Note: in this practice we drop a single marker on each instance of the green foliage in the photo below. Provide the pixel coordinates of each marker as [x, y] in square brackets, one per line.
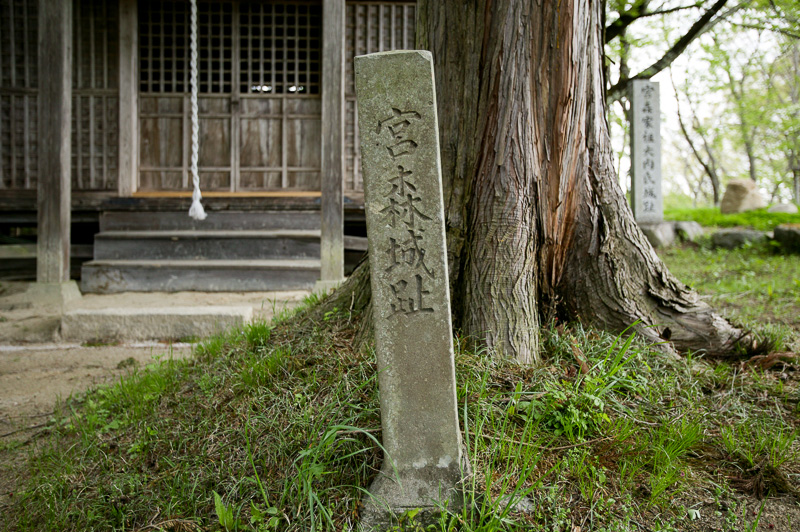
[577, 408]
[257, 335]
[755, 286]
[759, 440]
[737, 86]
[277, 429]
[758, 219]
[263, 366]
[574, 413]
[670, 444]
[225, 514]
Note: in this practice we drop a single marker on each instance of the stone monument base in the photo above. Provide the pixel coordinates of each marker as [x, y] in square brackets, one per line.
[425, 492]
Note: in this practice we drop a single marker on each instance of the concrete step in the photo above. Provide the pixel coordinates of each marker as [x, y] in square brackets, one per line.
[217, 220]
[165, 323]
[110, 276]
[207, 244]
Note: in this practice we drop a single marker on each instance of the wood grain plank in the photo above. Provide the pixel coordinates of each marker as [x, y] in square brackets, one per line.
[224, 194]
[128, 166]
[332, 157]
[55, 110]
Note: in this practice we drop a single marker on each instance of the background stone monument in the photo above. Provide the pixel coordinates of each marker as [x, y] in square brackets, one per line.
[647, 197]
[410, 292]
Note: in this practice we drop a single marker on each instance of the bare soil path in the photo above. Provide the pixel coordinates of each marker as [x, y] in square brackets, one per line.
[37, 370]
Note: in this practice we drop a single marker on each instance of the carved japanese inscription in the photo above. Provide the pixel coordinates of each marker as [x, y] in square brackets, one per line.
[646, 151]
[411, 300]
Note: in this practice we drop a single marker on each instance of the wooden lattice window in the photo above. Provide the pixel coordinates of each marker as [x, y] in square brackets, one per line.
[261, 132]
[95, 95]
[370, 27]
[280, 50]
[18, 94]
[163, 46]
[95, 100]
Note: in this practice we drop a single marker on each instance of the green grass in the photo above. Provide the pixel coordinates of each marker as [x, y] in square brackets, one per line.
[755, 286]
[276, 427]
[711, 217]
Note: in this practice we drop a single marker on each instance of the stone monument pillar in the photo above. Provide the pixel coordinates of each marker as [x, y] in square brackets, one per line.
[399, 137]
[647, 198]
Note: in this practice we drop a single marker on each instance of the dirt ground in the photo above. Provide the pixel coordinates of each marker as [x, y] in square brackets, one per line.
[37, 370]
[34, 377]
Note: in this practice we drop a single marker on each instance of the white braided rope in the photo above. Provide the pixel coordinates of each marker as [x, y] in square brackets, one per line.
[196, 211]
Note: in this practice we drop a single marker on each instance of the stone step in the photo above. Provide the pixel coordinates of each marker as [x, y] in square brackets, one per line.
[207, 244]
[110, 276]
[217, 220]
[163, 323]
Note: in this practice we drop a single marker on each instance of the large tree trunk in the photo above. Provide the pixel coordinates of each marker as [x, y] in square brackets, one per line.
[536, 221]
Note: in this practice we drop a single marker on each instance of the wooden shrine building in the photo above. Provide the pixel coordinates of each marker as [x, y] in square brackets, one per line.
[95, 122]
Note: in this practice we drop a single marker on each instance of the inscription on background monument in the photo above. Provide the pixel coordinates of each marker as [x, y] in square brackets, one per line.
[648, 205]
[411, 299]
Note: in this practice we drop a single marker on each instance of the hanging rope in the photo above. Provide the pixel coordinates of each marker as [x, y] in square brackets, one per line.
[196, 211]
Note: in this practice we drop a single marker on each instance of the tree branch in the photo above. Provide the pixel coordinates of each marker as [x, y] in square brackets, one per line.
[702, 25]
[709, 169]
[616, 28]
[781, 31]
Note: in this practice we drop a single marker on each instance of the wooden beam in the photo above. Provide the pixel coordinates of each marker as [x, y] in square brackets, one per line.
[332, 175]
[128, 98]
[55, 113]
[259, 194]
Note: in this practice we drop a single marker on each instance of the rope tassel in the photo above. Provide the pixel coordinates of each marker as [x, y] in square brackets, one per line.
[196, 211]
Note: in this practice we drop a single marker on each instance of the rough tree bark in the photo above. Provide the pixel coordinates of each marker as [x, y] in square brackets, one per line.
[536, 220]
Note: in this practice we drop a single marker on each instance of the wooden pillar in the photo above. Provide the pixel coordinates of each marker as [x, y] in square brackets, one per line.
[128, 98]
[333, 16]
[55, 112]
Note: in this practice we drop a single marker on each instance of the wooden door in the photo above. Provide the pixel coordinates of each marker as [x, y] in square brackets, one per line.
[259, 96]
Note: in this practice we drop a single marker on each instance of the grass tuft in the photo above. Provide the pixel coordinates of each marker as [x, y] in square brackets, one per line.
[275, 427]
[758, 219]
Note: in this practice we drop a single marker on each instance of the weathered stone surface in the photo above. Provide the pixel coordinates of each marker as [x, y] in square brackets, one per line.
[54, 295]
[689, 230]
[786, 208]
[660, 234]
[741, 195]
[168, 323]
[647, 198]
[788, 235]
[736, 238]
[410, 291]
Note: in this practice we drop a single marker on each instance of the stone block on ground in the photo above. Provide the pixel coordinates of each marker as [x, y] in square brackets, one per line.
[660, 234]
[741, 195]
[736, 238]
[689, 231]
[136, 324]
[788, 236]
[786, 208]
